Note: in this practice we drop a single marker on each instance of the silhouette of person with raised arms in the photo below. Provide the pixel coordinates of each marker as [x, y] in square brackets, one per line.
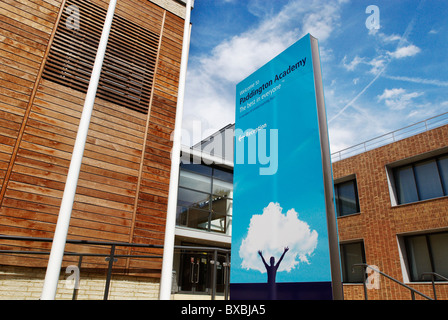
[272, 272]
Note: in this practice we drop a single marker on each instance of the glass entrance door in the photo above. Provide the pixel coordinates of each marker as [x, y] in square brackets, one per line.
[196, 272]
[195, 275]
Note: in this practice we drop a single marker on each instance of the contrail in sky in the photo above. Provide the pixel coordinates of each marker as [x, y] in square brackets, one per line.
[400, 43]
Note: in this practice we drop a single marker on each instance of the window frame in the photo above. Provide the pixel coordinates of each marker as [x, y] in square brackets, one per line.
[221, 175]
[337, 182]
[392, 173]
[405, 239]
[344, 269]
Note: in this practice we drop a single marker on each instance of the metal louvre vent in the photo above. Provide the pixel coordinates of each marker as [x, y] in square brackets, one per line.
[128, 68]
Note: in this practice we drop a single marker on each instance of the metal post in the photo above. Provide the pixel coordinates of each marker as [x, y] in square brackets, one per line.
[215, 267]
[333, 241]
[433, 286]
[65, 211]
[364, 279]
[226, 277]
[433, 278]
[170, 225]
[111, 260]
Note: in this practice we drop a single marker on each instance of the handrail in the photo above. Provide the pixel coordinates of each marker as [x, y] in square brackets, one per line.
[365, 266]
[393, 136]
[111, 257]
[433, 275]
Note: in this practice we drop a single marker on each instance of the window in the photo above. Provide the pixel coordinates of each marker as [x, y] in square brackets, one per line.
[346, 194]
[205, 198]
[352, 253]
[427, 253]
[129, 63]
[421, 180]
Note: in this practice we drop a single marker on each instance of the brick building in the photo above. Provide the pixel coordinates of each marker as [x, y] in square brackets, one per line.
[393, 213]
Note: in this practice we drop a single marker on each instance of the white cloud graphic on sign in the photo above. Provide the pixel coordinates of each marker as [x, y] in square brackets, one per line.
[271, 232]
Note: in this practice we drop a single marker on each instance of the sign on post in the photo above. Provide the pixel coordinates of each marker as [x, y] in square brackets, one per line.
[284, 236]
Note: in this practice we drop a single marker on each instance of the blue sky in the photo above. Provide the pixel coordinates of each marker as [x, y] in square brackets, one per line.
[375, 81]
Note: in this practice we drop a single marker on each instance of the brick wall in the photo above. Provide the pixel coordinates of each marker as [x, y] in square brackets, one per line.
[379, 223]
[22, 283]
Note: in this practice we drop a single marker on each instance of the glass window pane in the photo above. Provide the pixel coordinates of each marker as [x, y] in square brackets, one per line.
[181, 216]
[352, 254]
[443, 169]
[336, 199]
[347, 201]
[223, 175]
[197, 219]
[189, 198]
[405, 185]
[223, 188]
[418, 257]
[222, 205]
[439, 245]
[218, 222]
[195, 181]
[428, 180]
[199, 168]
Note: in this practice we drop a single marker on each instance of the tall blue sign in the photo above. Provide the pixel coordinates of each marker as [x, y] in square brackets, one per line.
[284, 237]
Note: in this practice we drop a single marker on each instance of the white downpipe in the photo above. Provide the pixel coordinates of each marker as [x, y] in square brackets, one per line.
[168, 249]
[65, 211]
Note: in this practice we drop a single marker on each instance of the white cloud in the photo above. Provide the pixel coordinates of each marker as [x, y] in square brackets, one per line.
[379, 64]
[350, 66]
[212, 78]
[390, 38]
[271, 232]
[341, 137]
[403, 52]
[398, 98]
[376, 64]
[392, 93]
[352, 128]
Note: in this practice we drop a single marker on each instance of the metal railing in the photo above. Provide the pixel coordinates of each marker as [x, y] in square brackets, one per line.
[433, 276]
[112, 257]
[394, 136]
[365, 266]
[204, 220]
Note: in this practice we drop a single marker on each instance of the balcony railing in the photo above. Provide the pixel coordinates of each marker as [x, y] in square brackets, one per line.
[113, 256]
[204, 220]
[406, 132]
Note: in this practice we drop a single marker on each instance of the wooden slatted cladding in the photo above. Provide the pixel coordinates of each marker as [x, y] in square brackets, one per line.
[25, 30]
[129, 63]
[123, 186]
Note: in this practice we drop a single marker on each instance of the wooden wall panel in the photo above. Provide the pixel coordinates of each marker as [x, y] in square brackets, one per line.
[122, 191]
[25, 29]
[153, 196]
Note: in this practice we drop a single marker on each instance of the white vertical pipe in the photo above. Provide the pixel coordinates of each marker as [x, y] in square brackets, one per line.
[168, 249]
[65, 211]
